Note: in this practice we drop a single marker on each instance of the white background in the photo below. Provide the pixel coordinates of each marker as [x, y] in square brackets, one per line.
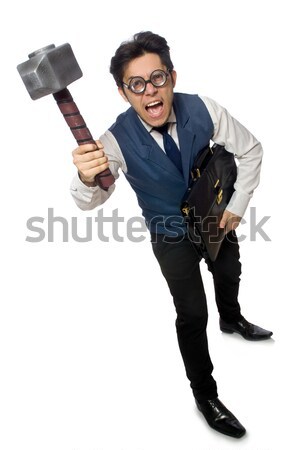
[88, 351]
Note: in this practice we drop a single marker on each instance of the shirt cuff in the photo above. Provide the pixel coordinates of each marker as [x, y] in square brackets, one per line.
[238, 203]
[87, 197]
[78, 185]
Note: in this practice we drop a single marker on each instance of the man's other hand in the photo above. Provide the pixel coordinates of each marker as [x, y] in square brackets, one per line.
[229, 221]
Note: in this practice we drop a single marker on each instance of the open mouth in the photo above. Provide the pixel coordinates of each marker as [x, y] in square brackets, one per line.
[154, 109]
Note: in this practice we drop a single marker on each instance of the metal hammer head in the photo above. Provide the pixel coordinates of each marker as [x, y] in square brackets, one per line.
[49, 70]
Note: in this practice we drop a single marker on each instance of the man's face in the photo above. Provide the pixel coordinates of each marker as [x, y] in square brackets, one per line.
[155, 103]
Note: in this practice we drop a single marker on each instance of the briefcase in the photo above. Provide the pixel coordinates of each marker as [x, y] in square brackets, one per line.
[212, 184]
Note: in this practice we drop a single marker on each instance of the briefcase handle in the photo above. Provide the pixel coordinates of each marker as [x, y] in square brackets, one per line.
[201, 162]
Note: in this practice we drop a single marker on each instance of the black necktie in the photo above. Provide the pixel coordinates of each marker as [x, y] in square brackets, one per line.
[170, 146]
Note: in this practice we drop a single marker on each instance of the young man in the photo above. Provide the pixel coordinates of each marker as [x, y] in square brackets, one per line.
[138, 144]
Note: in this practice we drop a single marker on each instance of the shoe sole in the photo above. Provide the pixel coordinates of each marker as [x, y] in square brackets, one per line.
[227, 434]
[226, 330]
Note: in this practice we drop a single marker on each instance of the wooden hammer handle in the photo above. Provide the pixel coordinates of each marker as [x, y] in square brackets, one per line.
[80, 131]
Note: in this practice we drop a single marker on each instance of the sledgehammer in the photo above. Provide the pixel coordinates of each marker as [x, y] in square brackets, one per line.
[48, 71]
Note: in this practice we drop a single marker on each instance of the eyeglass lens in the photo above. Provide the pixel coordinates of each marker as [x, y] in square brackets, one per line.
[157, 78]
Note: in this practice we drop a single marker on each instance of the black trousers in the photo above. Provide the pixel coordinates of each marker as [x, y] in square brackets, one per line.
[180, 264]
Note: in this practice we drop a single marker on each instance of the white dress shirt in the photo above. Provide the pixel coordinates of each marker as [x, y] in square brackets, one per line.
[227, 131]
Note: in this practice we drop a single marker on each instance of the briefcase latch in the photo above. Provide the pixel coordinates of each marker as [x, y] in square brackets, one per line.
[219, 192]
[185, 208]
[195, 174]
[219, 196]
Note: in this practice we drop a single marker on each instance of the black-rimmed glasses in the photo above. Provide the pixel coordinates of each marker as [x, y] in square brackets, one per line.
[137, 85]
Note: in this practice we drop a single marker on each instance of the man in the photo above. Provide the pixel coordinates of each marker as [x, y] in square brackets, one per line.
[137, 143]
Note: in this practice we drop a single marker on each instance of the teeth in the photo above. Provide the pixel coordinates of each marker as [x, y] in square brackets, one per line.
[153, 104]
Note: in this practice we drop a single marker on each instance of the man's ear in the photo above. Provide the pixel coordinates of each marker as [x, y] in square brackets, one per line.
[174, 77]
[122, 93]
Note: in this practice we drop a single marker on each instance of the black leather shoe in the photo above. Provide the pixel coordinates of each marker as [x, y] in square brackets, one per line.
[220, 418]
[247, 330]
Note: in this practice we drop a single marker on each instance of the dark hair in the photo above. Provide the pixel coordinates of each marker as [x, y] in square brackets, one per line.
[141, 43]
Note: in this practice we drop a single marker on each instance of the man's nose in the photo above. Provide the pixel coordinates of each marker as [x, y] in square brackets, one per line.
[150, 89]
